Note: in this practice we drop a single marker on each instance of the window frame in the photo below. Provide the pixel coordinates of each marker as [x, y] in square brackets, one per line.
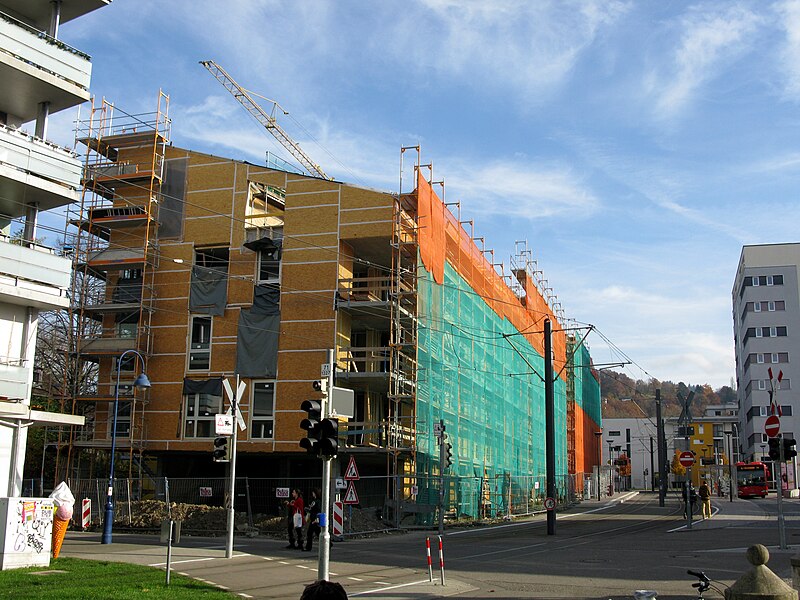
[202, 349]
[192, 418]
[258, 423]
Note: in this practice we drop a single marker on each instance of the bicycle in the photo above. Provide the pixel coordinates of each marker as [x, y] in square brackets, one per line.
[704, 584]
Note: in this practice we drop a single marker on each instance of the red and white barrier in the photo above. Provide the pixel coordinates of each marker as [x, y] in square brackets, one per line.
[441, 558]
[86, 513]
[430, 566]
[338, 518]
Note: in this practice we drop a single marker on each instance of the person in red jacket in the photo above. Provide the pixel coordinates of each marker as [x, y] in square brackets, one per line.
[294, 523]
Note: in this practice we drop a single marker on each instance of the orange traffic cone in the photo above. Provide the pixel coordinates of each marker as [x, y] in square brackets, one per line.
[59, 531]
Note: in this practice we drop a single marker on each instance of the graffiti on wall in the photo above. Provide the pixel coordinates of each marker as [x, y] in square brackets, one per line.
[32, 527]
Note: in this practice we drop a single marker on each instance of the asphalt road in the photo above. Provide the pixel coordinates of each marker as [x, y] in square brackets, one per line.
[600, 550]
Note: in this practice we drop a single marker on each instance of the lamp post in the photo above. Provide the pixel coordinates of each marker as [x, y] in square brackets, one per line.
[611, 472]
[141, 382]
[599, 434]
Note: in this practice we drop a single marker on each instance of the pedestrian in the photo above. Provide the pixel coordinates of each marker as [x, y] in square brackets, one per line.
[324, 590]
[312, 516]
[689, 498]
[294, 519]
[705, 498]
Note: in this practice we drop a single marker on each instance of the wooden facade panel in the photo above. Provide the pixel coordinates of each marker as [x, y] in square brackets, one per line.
[209, 204]
[319, 219]
[310, 201]
[170, 312]
[297, 184]
[203, 175]
[168, 368]
[223, 357]
[359, 198]
[366, 230]
[314, 276]
[307, 308]
[171, 340]
[373, 215]
[225, 326]
[298, 336]
[213, 231]
[326, 240]
[267, 176]
[308, 255]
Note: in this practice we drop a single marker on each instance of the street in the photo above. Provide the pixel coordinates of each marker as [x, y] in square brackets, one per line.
[600, 550]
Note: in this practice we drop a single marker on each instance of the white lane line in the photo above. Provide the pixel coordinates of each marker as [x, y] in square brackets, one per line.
[383, 583]
[355, 579]
[180, 562]
[393, 587]
[245, 595]
[714, 510]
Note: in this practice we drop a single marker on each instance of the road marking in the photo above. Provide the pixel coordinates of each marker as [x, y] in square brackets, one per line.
[283, 562]
[383, 583]
[714, 510]
[355, 579]
[180, 562]
[245, 595]
[222, 587]
[521, 523]
[393, 587]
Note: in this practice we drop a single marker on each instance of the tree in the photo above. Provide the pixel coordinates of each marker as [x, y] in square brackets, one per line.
[676, 467]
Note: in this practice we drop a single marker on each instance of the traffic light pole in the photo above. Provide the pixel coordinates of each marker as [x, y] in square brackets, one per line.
[324, 533]
[441, 478]
[232, 481]
[550, 424]
[779, 492]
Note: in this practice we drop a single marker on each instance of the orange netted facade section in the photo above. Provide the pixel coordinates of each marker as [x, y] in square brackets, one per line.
[442, 238]
[586, 448]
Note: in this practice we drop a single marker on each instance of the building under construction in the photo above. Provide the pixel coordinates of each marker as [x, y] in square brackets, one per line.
[211, 268]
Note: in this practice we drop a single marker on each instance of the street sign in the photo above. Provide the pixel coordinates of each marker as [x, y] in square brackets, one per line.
[351, 474]
[549, 503]
[238, 397]
[223, 424]
[341, 484]
[281, 492]
[437, 429]
[206, 492]
[686, 458]
[350, 496]
[772, 426]
[325, 370]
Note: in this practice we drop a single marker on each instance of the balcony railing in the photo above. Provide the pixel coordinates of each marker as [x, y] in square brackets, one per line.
[364, 289]
[360, 359]
[37, 48]
[14, 378]
[37, 264]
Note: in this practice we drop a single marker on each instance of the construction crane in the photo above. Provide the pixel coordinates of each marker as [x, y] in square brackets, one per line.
[268, 120]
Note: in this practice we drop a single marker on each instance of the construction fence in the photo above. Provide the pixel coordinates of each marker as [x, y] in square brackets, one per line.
[142, 504]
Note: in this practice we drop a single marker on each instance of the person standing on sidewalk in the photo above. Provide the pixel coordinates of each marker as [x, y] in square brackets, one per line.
[294, 521]
[705, 498]
[312, 512]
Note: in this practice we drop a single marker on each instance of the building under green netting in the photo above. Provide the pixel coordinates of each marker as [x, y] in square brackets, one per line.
[490, 399]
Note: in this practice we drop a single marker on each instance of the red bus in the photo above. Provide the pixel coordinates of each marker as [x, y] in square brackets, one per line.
[752, 479]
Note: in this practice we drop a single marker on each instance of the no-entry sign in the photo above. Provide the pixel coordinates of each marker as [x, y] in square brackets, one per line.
[772, 426]
[686, 458]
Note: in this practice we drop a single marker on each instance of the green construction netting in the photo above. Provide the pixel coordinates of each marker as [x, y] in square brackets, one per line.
[587, 388]
[491, 402]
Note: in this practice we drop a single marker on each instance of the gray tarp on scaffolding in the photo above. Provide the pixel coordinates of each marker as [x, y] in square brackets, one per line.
[209, 291]
[257, 336]
[171, 201]
[212, 387]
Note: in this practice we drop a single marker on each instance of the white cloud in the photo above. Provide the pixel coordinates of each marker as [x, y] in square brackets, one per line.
[789, 12]
[710, 40]
[515, 189]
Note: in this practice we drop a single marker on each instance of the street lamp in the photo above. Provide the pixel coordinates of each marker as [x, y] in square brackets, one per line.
[141, 383]
[599, 434]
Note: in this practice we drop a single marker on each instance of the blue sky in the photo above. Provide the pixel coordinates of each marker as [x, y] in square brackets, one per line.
[636, 146]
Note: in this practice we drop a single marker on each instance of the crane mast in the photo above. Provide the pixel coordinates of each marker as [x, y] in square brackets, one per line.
[262, 116]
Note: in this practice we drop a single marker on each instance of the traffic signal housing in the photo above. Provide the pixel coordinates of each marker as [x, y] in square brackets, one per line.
[312, 426]
[329, 437]
[220, 452]
[447, 452]
[789, 450]
[774, 449]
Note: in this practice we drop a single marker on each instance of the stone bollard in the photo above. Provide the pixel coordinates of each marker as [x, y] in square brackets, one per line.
[759, 583]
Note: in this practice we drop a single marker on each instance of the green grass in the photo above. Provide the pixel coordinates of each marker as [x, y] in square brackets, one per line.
[101, 580]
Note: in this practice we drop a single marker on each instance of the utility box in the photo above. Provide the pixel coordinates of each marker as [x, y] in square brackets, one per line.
[26, 529]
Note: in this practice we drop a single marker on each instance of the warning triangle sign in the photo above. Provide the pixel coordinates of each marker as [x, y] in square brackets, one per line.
[351, 497]
[351, 474]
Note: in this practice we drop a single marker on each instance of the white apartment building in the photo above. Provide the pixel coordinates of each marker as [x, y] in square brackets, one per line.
[766, 325]
[39, 75]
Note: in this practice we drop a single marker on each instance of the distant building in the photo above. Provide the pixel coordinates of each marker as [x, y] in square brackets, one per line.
[766, 317]
[40, 75]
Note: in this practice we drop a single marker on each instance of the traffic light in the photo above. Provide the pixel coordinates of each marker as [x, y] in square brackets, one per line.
[311, 424]
[329, 438]
[774, 449]
[789, 451]
[447, 452]
[220, 453]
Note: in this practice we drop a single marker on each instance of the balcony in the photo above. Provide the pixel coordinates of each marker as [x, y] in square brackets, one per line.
[14, 379]
[35, 67]
[33, 276]
[33, 170]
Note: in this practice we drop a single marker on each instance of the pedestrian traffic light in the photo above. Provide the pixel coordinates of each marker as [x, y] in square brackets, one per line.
[220, 453]
[312, 426]
[789, 450]
[329, 437]
[774, 449]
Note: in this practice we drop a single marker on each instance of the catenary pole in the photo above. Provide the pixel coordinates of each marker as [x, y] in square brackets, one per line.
[661, 442]
[550, 423]
[324, 534]
[232, 481]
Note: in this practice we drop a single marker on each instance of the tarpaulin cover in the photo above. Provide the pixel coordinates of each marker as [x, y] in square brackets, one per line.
[209, 291]
[258, 333]
[171, 199]
[212, 387]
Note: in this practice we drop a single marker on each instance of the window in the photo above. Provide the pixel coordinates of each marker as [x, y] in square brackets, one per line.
[777, 279]
[759, 358]
[754, 281]
[759, 332]
[212, 258]
[762, 384]
[126, 330]
[780, 331]
[123, 418]
[269, 266]
[769, 280]
[786, 410]
[263, 409]
[771, 306]
[614, 433]
[756, 306]
[780, 305]
[201, 411]
[200, 344]
[700, 428]
[127, 365]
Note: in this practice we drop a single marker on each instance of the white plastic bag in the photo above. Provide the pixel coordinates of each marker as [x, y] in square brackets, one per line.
[298, 520]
